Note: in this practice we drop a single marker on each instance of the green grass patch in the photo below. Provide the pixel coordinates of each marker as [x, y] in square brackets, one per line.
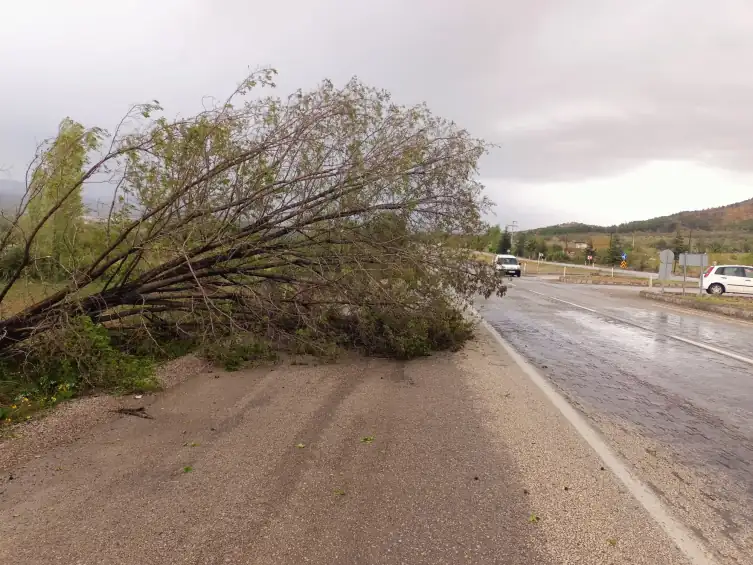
[741, 302]
[68, 362]
[238, 351]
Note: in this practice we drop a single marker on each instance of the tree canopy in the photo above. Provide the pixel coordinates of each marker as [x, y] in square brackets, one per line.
[504, 245]
[614, 251]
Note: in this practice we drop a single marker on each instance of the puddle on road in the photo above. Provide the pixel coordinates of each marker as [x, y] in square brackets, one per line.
[690, 327]
[631, 339]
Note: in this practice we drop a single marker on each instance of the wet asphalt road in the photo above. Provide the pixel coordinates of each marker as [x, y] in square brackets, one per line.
[695, 401]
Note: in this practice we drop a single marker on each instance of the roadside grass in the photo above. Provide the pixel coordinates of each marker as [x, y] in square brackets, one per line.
[536, 268]
[740, 307]
[741, 302]
[64, 364]
[605, 278]
[484, 257]
[25, 293]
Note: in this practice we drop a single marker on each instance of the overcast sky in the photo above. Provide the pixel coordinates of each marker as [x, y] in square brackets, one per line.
[604, 110]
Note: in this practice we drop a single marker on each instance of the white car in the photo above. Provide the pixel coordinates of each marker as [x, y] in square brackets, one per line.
[507, 265]
[719, 279]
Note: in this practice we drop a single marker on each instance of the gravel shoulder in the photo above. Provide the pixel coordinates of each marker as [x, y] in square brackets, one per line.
[455, 458]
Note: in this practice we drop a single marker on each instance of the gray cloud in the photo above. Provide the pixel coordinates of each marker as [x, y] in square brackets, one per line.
[569, 90]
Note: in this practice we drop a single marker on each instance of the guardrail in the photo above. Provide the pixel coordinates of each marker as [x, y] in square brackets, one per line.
[611, 271]
[565, 267]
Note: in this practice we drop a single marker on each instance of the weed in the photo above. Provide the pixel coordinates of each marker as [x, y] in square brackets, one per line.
[235, 352]
[367, 439]
[67, 362]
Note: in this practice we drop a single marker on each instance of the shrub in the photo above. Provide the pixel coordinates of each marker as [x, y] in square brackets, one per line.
[77, 358]
[437, 326]
[11, 261]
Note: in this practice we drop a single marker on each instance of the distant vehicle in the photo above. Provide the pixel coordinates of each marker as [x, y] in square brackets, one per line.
[719, 279]
[507, 265]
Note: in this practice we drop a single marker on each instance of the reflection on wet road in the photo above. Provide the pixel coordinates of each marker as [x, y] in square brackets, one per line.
[698, 402]
[624, 303]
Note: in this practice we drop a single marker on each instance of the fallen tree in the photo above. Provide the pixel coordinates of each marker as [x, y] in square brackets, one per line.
[305, 217]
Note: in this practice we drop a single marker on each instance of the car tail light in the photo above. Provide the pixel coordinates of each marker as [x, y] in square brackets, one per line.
[708, 271]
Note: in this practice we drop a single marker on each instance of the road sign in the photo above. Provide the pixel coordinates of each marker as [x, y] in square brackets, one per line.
[624, 256]
[623, 265]
[667, 259]
[590, 257]
[694, 259]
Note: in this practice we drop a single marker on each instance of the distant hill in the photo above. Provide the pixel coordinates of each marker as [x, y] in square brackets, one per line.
[734, 217]
[11, 193]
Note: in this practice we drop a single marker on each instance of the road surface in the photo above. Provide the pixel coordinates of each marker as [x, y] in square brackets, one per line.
[453, 459]
[672, 390]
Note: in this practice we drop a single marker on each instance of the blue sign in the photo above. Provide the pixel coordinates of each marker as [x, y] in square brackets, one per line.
[624, 256]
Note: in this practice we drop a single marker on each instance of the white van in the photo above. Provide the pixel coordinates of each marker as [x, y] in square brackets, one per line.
[507, 265]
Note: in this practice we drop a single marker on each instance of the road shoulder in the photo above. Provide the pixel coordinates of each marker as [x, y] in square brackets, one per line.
[587, 515]
[455, 458]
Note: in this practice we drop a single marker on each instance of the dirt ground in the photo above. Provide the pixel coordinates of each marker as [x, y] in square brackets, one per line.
[457, 458]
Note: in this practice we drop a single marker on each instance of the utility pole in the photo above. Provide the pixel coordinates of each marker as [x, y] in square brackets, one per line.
[511, 228]
[609, 253]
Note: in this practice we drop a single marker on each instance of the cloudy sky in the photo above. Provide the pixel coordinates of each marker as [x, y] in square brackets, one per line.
[604, 110]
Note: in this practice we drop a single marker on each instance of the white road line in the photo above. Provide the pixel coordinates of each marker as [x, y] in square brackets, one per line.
[677, 532]
[698, 344]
